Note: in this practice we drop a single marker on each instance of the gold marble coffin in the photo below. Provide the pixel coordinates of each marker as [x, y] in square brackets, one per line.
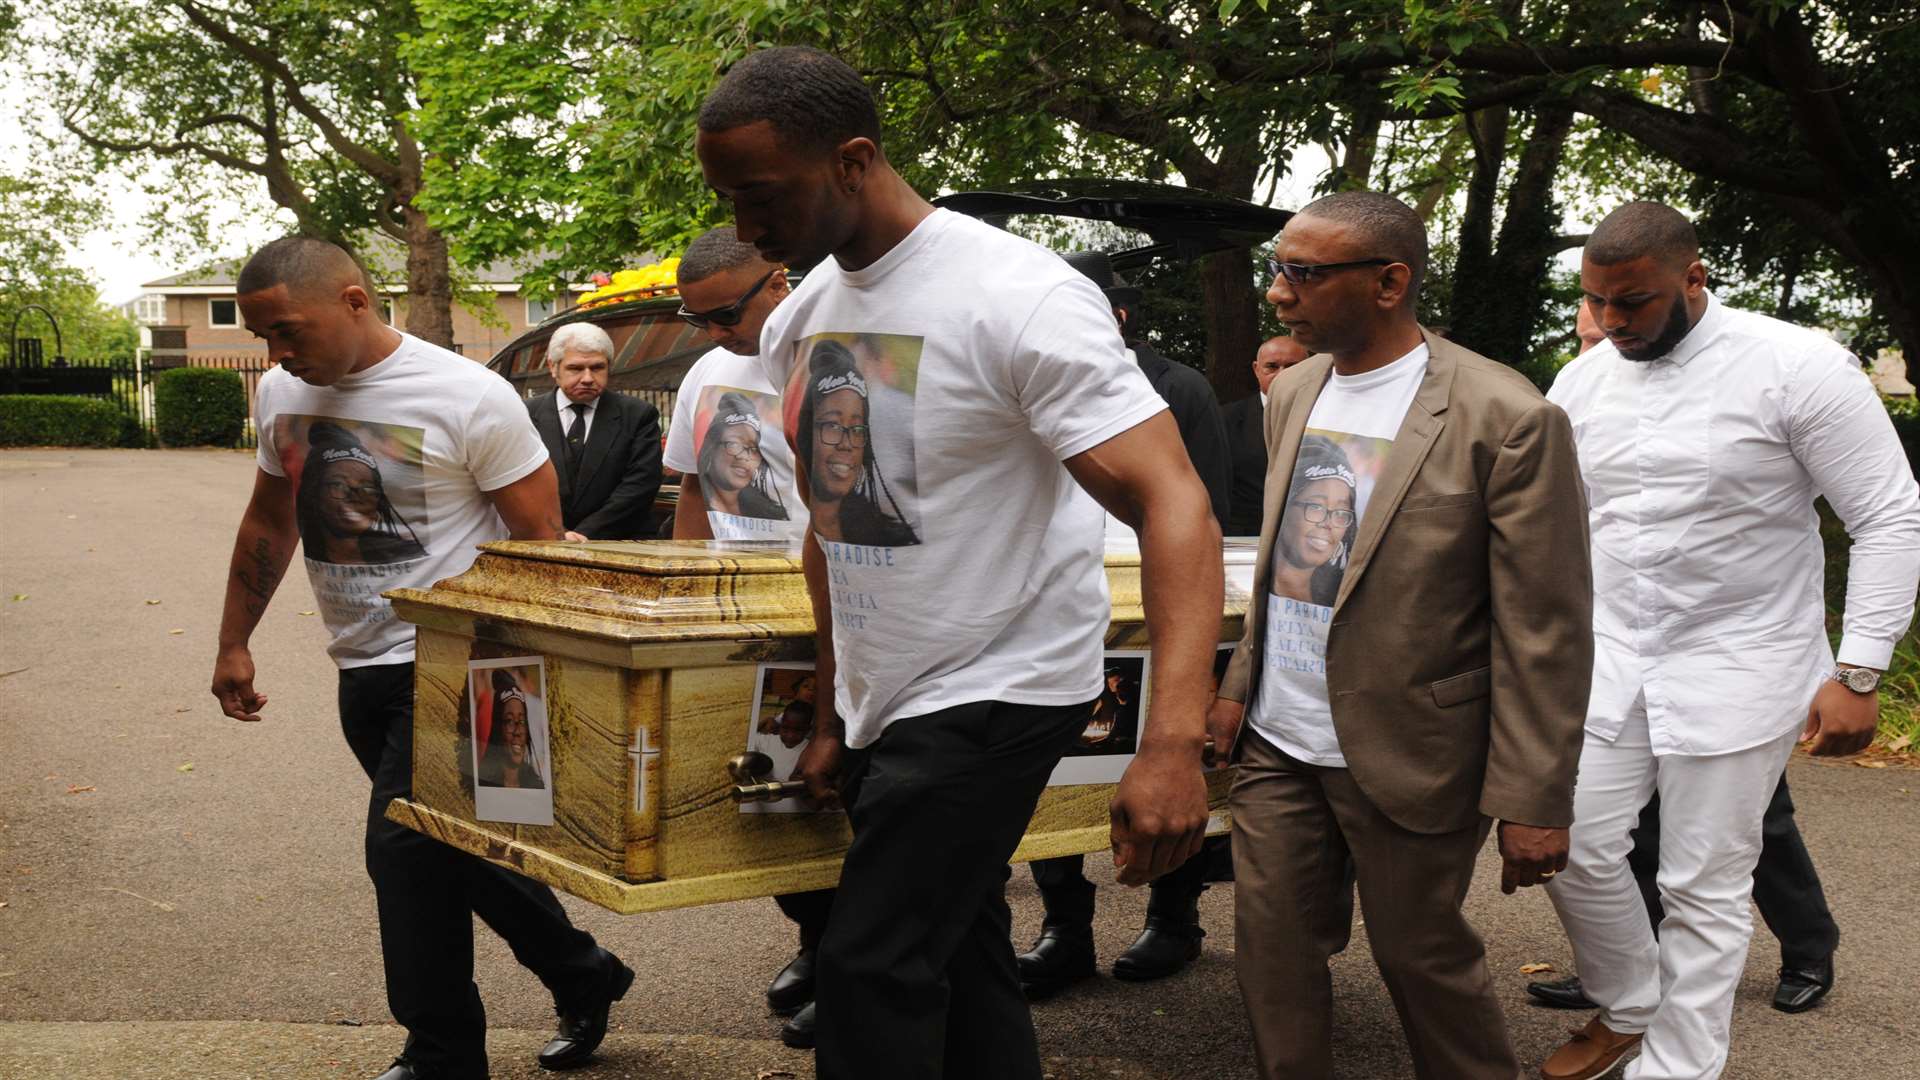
[576, 706]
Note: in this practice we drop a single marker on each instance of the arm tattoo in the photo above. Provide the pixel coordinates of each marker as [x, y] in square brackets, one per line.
[265, 576]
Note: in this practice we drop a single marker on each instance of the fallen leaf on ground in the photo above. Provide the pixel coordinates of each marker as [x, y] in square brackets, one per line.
[184, 708]
[176, 630]
[348, 1021]
[1901, 743]
[1870, 763]
[77, 789]
[151, 603]
[3, 903]
[1534, 969]
[188, 767]
[19, 596]
[773, 1074]
[309, 613]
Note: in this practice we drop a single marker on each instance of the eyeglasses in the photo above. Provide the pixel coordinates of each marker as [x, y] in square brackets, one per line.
[740, 449]
[729, 315]
[1320, 513]
[841, 435]
[342, 491]
[1302, 273]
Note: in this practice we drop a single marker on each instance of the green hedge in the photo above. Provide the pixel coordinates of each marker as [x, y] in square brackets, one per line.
[194, 406]
[61, 420]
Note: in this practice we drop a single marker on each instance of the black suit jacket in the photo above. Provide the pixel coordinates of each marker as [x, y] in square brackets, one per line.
[1247, 438]
[1190, 397]
[610, 496]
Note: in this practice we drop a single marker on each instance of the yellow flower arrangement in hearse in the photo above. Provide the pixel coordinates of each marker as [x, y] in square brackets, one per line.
[657, 279]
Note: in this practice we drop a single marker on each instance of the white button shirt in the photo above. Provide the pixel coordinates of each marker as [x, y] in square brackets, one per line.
[1701, 470]
[565, 404]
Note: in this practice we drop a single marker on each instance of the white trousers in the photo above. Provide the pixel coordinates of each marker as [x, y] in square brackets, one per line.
[1678, 989]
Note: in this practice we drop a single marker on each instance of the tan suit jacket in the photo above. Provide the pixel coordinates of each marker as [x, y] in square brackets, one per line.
[1461, 644]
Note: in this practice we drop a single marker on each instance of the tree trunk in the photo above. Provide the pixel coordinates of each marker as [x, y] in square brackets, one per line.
[1517, 278]
[429, 281]
[1233, 322]
[1473, 305]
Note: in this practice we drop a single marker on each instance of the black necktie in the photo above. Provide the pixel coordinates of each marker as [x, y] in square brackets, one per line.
[576, 437]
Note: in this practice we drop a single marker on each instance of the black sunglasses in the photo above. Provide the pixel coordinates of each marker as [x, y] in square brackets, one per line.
[729, 315]
[1301, 273]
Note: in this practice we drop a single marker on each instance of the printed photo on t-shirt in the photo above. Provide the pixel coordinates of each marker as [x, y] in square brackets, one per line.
[850, 403]
[1332, 479]
[1112, 734]
[781, 726]
[730, 429]
[359, 488]
[511, 767]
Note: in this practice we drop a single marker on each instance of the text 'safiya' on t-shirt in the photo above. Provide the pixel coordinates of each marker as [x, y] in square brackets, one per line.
[1345, 447]
[973, 569]
[726, 430]
[389, 467]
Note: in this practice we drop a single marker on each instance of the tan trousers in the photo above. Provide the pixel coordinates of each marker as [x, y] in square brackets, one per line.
[1294, 827]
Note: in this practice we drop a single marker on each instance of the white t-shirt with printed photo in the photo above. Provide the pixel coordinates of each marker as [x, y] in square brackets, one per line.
[726, 429]
[972, 570]
[389, 468]
[1349, 435]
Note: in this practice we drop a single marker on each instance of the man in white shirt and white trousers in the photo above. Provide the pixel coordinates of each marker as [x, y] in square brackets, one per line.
[1705, 434]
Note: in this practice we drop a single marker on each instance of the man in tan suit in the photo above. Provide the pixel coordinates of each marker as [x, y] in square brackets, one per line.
[1416, 658]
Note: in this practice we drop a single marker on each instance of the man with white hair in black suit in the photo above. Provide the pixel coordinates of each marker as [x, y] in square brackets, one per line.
[606, 447]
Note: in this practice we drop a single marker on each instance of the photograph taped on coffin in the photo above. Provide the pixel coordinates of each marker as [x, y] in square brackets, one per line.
[1114, 722]
[513, 765]
[780, 727]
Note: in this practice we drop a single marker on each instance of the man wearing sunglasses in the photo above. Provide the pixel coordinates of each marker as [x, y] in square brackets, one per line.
[1416, 659]
[728, 290]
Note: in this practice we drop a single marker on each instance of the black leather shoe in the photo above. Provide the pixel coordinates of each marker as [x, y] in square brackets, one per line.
[797, 1032]
[1565, 994]
[1063, 956]
[1162, 949]
[1802, 988]
[584, 1024]
[793, 987]
[402, 1069]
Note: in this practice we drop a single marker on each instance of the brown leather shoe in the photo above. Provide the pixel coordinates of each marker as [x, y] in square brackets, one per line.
[1593, 1052]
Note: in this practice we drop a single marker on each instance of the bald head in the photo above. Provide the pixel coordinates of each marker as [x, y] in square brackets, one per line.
[1388, 227]
[305, 265]
[1642, 229]
[1274, 356]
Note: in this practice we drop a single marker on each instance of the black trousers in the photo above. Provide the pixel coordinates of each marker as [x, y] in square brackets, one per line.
[1786, 887]
[1068, 896]
[427, 894]
[916, 975]
[809, 911]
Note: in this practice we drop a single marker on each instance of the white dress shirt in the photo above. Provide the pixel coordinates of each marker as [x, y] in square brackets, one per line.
[565, 405]
[1701, 469]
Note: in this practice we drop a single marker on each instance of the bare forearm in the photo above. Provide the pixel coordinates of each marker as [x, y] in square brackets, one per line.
[690, 511]
[260, 556]
[1182, 587]
[813, 564]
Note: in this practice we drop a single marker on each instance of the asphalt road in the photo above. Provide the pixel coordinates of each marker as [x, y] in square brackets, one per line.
[183, 895]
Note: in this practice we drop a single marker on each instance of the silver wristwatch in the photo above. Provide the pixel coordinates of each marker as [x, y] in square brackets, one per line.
[1857, 679]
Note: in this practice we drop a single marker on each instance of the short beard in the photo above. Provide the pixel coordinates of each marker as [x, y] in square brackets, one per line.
[1676, 330]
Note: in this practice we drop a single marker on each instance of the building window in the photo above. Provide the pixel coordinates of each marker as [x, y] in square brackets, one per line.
[224, 311]
[150, 309]
[539, 311]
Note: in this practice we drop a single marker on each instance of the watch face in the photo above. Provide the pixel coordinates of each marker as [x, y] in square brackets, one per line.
[1860, 680]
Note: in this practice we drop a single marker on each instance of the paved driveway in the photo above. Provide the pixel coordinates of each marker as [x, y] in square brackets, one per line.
[184, 897]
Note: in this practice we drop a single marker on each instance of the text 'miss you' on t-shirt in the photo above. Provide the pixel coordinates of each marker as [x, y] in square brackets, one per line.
[1348, 437]
[389, 468]
[931, 398]
[727, 431]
